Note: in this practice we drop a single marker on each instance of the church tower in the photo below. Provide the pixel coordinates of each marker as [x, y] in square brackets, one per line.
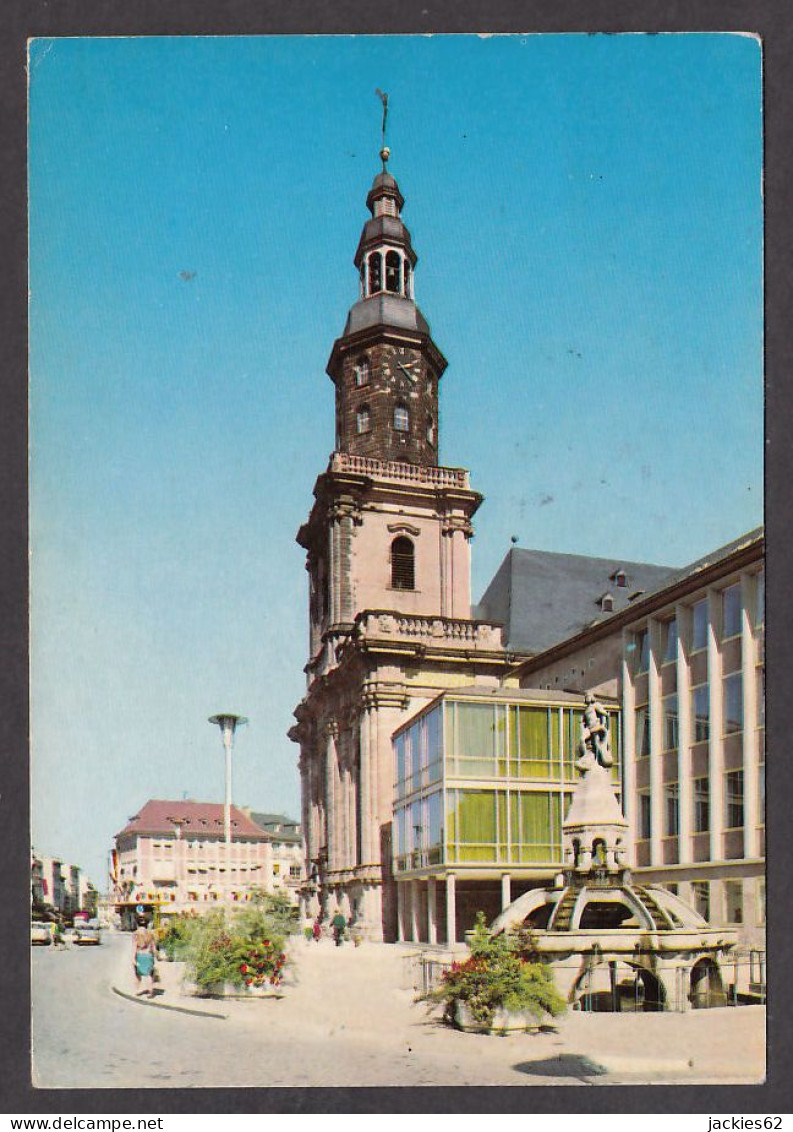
[388, 559]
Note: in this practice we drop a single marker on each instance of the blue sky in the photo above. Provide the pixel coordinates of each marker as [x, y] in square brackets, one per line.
[588, 216]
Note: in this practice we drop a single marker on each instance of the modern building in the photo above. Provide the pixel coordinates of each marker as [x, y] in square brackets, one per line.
[484, 779]
[686, 662]
[388, 559]
[173, 856]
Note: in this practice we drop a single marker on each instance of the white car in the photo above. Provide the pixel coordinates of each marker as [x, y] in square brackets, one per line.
[86, 935]
[41, 933]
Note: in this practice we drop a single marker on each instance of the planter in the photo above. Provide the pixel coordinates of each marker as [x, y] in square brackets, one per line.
[504, 1021]
[229, 990]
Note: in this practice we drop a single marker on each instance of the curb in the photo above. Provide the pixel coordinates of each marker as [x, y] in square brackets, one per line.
[167, 1005]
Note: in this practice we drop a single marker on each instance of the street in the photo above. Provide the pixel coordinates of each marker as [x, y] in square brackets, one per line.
[349, 1020]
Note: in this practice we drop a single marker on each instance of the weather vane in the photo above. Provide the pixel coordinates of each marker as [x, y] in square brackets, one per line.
[385, 152]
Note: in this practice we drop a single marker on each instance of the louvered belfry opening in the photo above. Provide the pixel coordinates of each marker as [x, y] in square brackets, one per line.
[403, 571]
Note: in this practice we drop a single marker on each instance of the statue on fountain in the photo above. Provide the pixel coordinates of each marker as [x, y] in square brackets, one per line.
[595, 741]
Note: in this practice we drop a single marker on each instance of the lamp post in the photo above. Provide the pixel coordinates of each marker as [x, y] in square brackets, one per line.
[228, 724]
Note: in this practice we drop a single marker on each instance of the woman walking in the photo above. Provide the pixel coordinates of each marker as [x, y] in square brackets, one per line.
[144, 944]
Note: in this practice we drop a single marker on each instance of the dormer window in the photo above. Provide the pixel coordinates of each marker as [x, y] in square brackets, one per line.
[375, 273]
[361, 372]
[401, 418]
[392, 271]
[607, 603]
[619, 578]
[363, 420]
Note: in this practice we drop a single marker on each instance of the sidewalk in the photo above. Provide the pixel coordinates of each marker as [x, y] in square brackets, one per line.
[355, 1009]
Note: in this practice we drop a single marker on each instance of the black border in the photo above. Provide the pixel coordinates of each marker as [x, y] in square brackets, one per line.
[22, 19]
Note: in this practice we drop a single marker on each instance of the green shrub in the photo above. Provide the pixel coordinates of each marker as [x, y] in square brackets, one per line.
[243, 948]
[497, 975]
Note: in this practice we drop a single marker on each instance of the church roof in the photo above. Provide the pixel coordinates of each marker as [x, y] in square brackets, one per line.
[542, 597]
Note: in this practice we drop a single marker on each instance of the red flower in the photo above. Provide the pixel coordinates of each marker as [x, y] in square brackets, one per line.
[244, 968]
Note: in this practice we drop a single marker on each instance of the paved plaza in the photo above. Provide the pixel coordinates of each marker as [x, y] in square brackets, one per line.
[349, 1018]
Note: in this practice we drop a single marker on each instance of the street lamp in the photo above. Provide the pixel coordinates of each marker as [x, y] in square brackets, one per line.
[228, 724]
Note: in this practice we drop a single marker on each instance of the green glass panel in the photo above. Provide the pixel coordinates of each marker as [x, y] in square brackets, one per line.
[475, 730]
[513, 731]
[477, 811]
[475, 768]
[451, 816]
[514, 819]
[501, 730]
[535, 818]
[554, 733]
[482, 852]
[533, 732]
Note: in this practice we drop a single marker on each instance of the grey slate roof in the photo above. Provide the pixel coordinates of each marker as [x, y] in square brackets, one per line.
[542, 597]
[271, 823]
[385, 309]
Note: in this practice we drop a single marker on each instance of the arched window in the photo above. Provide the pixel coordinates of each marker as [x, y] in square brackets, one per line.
[403, 568]
[361, 371]
[430, 430]
[406, 273]
[375, 273]
[363, 419]
[392, 265]
[401, 417]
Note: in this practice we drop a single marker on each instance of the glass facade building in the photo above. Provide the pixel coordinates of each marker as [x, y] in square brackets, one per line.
[482, 784]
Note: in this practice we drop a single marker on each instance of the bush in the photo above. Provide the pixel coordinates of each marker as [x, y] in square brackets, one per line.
[245, 948]
[497, 975]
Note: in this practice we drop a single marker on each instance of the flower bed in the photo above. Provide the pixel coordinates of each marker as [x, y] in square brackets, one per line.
[500, 987]
[238, 954]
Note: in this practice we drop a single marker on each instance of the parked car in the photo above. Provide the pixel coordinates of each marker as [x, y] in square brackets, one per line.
[41, 933]
[86, 935]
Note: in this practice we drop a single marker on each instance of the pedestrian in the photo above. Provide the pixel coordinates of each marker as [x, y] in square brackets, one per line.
[144, 948]
[316, 930]
[339, 924]
[57, 936]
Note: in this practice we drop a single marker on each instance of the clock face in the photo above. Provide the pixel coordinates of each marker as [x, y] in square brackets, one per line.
[402, 367]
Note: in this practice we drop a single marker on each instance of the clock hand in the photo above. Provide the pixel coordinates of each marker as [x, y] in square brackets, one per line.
[406, 371]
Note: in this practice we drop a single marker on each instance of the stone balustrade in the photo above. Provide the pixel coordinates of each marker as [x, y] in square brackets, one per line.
[432, 630]
[400, 473]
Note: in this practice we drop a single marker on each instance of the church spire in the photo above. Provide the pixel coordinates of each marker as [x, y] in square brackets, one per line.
[385, 365]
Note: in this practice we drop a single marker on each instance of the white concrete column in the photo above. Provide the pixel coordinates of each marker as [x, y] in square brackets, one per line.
[629, 804]
[716, 727]
[451, 909]
[506, 886]
[751, 808]
[400, 911]
[656, 742]
[432, 911]
[684, 737]
[415, 911]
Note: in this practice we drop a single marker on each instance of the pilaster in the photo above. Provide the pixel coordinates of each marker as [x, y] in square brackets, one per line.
[684, 736]
[716, 727]
[751, 810]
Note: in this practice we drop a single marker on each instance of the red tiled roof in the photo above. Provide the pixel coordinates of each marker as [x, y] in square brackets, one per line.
[160, 816]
